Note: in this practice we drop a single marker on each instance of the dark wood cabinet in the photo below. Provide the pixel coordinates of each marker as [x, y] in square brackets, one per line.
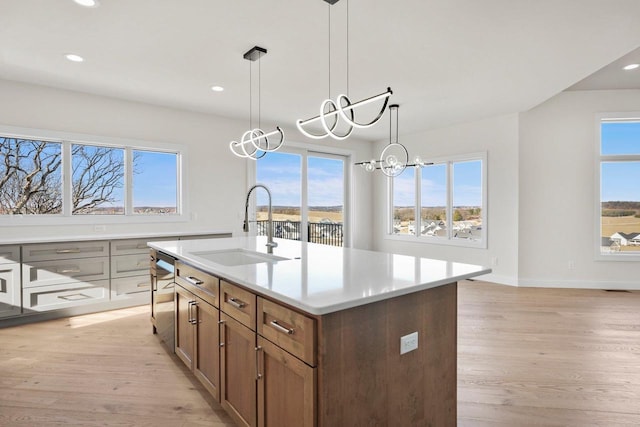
[286, 388]
[238, 370]
[184, 325]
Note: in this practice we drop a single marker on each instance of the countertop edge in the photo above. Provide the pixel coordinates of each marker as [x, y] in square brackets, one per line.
[314, 310]
[118, 236]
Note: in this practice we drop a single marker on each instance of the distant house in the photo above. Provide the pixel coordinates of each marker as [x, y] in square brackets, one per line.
[626, 239]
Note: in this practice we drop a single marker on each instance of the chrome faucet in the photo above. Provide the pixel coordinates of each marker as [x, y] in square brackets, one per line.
[245, 227]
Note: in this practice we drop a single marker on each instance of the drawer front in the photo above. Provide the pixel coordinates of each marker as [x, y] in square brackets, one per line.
[130, 265]
[46, 273]
[9, 254]
[43, 298]
[238, 303]
[64, 250]
[294, 332]
[9, 290]
[200, 283]
[130, 246]
[126, 287]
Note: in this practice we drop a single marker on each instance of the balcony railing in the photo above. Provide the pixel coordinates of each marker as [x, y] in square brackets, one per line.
[317, 232]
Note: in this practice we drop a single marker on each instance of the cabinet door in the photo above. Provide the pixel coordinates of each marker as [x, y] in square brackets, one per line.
[238, 371]
[206, 365]
[184, 325]
[10, 304]
[286, 388]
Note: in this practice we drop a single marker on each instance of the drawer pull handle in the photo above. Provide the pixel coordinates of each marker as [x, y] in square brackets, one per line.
[193, 280]
[74, 297]
[281, 328]
[236, 303]
[68, 270]
[143, 285]
[258, 374]
[68, 251]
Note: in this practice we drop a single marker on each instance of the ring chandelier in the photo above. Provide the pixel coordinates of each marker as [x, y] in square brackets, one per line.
[394, 158]
[255, 143]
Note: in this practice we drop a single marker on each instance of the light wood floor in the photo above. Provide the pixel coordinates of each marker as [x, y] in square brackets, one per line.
[525, 357]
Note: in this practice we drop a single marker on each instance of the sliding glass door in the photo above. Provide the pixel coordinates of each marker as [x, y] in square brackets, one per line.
[309, 195]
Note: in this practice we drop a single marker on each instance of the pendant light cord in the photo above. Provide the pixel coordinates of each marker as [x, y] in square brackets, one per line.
[329, 9]
[250, 99]
[347, 47]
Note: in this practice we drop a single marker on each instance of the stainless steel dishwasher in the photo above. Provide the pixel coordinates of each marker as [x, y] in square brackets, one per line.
[162, 298]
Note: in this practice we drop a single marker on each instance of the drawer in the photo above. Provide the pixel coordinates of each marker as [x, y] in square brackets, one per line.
[288, 329]
[46, 273]
[126, 287]
[129, 247]
[238, 303]
[9, 289]
[200, 283]
[64, 250]
[130, 265]
[9, 254]
[43, 298]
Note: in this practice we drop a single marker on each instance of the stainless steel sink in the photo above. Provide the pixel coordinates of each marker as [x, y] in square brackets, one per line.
[235, 257]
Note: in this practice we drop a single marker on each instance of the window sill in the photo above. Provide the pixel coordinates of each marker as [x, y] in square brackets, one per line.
[440, 241]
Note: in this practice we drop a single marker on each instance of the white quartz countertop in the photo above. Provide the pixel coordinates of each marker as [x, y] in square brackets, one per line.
[115, 236]
[321, 279]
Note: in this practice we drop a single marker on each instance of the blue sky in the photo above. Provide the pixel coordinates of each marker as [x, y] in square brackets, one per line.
[156, 184]
[467, 185]
[620, 179]
[282, 173]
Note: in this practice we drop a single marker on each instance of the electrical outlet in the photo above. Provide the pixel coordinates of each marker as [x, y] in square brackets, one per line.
[408, 343]
[494, 261]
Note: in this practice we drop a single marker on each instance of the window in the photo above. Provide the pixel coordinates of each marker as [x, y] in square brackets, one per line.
[619, 202]
[308, 190]
[442, 202]
[56, 177]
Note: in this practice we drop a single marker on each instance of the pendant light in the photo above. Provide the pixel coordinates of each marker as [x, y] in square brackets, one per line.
[394, 158]
[331, 112]
[255, 143]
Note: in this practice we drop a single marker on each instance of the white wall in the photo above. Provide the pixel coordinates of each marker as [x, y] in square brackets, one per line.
[497, 136]
[217, 180]
[558, 194]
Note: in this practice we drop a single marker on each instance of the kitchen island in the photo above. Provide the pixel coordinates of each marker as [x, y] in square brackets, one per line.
[315, 335]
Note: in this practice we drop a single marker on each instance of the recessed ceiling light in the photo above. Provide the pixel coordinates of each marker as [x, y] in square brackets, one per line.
[217, 88]
[631, 67]
[74, 58]
[88, 3]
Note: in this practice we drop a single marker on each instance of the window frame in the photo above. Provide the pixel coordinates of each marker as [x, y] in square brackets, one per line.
[305, 151]
[67, 139]
[620, 117]
[437, 240]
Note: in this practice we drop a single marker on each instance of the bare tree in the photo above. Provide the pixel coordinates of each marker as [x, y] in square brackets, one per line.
[31, 176]
[98, 173]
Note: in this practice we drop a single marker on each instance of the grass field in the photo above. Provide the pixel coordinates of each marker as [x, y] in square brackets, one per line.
[314, 216]
[625, 224]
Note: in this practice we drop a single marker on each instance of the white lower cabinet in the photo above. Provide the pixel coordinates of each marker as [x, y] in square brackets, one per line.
[10, 304]
[43, 298]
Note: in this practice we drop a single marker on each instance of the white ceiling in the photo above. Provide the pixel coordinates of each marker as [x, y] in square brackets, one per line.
[447, 61]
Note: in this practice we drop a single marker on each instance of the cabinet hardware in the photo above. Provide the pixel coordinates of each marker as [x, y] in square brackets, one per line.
[236, 303]
[192, 319]
[221, 344]
[193, 280]
[220, 322]
[258, 374]
[68, 251]
[281, 328]
[68, 270]
[143, 285]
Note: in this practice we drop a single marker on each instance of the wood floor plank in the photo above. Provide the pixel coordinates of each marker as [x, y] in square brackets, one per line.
[526, 356]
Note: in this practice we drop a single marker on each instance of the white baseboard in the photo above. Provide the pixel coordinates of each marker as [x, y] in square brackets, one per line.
[578, 284]
[558, 283]
[496, 278]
